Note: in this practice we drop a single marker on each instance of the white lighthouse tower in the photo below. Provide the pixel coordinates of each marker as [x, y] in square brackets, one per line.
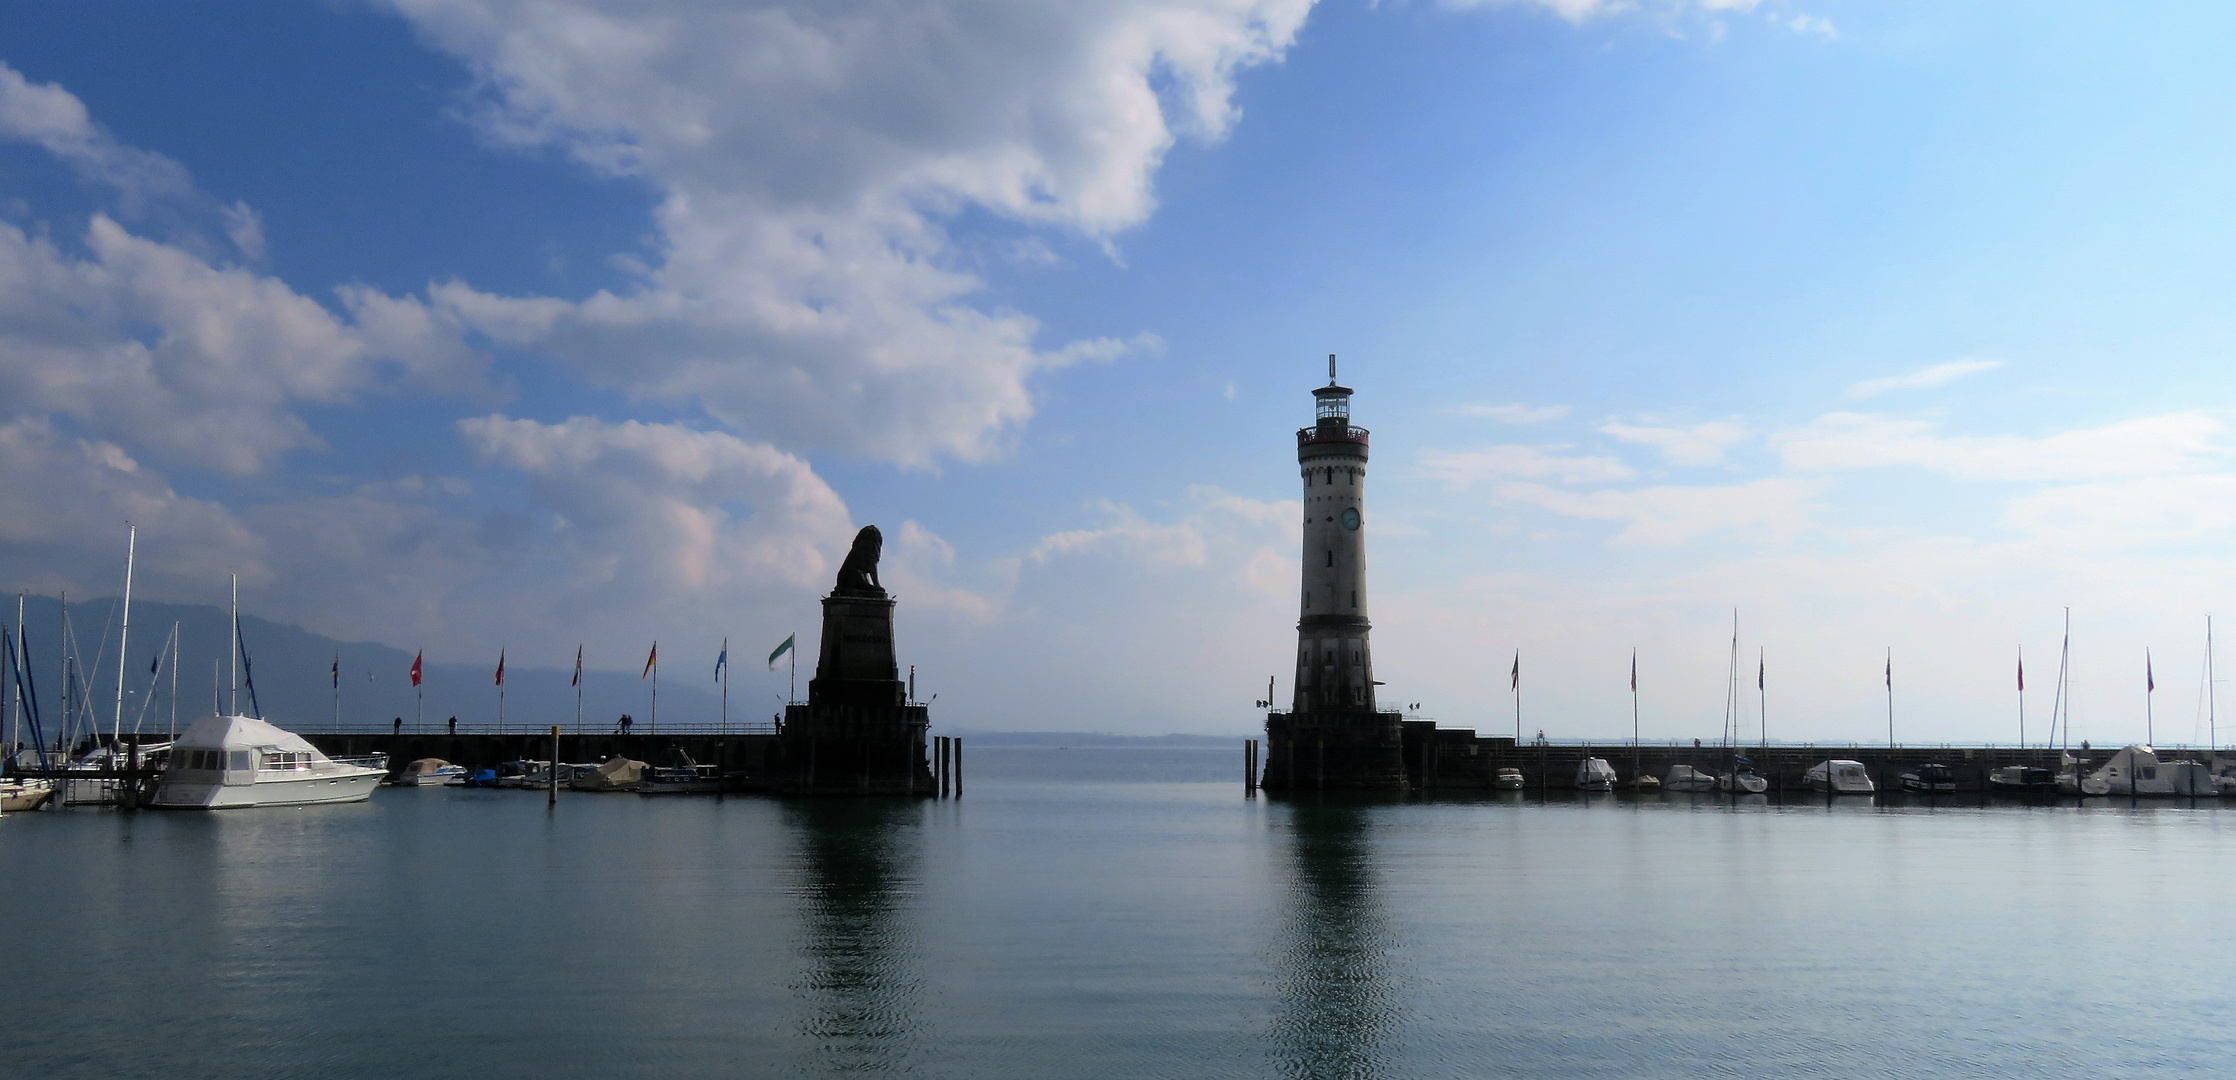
[1333, 736]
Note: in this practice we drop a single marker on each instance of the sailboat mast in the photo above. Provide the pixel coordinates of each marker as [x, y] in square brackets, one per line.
[124, 633]
[233, 636]
[174, 733]
[2212, 715]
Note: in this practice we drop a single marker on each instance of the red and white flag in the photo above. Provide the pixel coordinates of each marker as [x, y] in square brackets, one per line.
[415, 666]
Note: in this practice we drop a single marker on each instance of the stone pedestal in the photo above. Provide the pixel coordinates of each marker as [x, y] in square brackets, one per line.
[857, 734]
[1362, 751]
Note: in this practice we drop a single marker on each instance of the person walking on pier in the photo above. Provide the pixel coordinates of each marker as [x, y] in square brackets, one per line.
[454, 725]
[399, 728]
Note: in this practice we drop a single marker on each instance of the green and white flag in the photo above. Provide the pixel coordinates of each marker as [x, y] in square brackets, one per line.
[781, 650]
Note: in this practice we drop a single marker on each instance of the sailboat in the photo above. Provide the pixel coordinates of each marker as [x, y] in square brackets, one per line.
[1740, 778]
[226, 762]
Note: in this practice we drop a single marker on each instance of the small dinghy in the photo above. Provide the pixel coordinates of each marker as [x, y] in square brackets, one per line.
[1931, 779]
[1595, 774]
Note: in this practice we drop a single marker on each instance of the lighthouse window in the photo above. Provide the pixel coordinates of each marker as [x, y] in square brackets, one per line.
[1331, 556]
[1354, 598]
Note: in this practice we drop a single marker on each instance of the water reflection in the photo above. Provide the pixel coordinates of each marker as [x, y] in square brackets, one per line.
[859, 862]
[1336, 1008]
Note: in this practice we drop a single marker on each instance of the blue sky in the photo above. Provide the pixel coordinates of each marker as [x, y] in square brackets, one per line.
[477, 325]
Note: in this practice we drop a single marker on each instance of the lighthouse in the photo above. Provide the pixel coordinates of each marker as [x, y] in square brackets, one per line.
[1332, 736]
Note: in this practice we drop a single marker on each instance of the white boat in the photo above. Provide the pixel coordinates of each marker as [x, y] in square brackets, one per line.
[1509, 779]
[20, 795]
[1745, 783]
[2072, 781]
[225, 762]
[2136, 770]
[1742, 778]
[1684, 779]
[429, 772]
[1840, 776]
[1595, 774]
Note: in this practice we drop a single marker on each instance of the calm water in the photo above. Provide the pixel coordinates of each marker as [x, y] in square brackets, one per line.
[1116, 913]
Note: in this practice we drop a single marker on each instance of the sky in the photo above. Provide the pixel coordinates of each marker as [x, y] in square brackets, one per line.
[1893, 330]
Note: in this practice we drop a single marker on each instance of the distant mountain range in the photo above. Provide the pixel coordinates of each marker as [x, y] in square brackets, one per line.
[294, 686]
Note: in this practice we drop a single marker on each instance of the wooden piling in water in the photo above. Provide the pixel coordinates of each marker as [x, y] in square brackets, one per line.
[552, 773]
[958, 768]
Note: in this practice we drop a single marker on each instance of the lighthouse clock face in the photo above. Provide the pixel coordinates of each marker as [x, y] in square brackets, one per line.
[1351, 518]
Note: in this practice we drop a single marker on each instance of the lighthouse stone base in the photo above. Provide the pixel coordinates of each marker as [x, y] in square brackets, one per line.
[1362, 751]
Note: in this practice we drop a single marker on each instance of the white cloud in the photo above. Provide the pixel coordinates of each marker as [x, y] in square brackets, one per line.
[52, 118]
[1703, 444]
[66, 502]
[1921, 379]
[245, 227]
[1772, 509]
[1582, 11]
[1462, 469]
[805, 156]
[2171, 444]
[150, 345]
[667, 511]
[1515, 414]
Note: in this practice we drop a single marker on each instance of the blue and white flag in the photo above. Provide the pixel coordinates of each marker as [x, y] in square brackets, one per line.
[722, 661]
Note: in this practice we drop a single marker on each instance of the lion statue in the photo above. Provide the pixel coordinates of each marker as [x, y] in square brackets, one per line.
[858, 574]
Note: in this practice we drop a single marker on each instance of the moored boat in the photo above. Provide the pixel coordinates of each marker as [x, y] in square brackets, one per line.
[2022, 780]
[1932, 778]
[428, 772]
[617, 773]
[1742, 778]
[1509, 779]
[1684, 779]
[2137, 771]
[20, 795]
[1840, 776]
[228, 762]
[1595, 774]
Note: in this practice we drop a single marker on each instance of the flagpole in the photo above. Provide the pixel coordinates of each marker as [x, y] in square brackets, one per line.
[174, 678]
[337, 691]
[1517, 699]
[655, 688]
[500, 691]
[1890, 697]
[725, 686]
[1634, 750]
[1762, 698]
[2022, 697]
[578, 695]
[2150, 689]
